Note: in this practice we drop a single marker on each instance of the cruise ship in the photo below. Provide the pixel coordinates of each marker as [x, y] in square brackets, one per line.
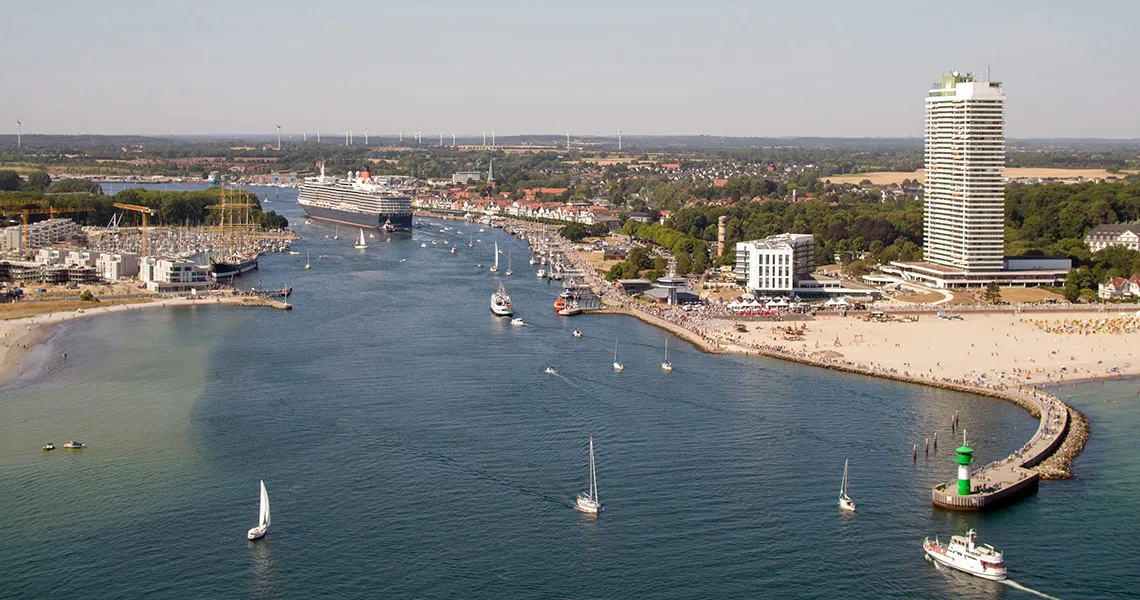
[359, 199]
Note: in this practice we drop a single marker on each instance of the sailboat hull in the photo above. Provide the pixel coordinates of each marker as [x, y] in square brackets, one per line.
[586, 505]
[256, 533]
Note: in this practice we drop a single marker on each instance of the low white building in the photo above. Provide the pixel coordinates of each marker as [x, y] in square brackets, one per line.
[114, 266]
[81, 258]
[1103, 236]
[172, 275]
[774, 264]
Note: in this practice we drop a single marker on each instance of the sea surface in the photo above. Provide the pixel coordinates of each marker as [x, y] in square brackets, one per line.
[413, 448]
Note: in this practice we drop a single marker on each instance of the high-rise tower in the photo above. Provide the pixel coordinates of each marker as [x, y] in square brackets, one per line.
[964, 213]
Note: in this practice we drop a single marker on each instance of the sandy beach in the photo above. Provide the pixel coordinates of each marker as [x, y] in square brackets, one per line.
[19, 335]
[997, 350]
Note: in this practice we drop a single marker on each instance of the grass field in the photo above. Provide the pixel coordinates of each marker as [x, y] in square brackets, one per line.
[1019, 294]
[889, 177]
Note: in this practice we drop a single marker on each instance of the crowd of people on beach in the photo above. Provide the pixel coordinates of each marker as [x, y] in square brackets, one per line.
[1114, 325]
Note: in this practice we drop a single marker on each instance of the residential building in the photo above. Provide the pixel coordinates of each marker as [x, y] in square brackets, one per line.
[465, 177]
[964, 212]
[1103, 236]
[172, 275]
[114, 266]
[10, 239]
[773, 265]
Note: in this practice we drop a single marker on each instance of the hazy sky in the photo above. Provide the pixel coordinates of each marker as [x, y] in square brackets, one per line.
[745, 68]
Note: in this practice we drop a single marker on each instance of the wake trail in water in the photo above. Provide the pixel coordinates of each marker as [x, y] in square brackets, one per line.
[1017, 586]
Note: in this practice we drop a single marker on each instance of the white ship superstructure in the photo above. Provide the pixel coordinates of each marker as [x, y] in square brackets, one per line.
[359, 199]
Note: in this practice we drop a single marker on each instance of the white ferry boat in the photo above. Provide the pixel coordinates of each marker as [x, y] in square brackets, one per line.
[501, 302]
[964, 554]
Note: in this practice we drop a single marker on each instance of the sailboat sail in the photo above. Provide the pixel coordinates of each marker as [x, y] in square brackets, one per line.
[593, 475]
[496, 255]
[843, 486]
[263, 516]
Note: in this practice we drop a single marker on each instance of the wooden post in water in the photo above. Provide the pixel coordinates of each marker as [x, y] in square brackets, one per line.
[927, 451]
[915, 453]
[935, 440]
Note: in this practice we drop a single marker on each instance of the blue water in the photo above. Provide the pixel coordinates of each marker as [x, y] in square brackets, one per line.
[413, 448]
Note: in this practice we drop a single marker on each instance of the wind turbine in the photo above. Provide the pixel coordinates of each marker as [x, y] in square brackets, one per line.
[278, 138]
[318, 137]
[619, 140]
[365, 137]
[19, 134]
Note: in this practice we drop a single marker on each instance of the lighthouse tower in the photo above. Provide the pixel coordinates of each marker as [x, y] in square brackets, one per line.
[964, 456]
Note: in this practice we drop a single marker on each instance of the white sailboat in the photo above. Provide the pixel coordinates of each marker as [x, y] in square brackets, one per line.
[336, 232]
[495, 267]
[361, 244]
[589, 502]
[262, 517]
[508, 272]
[845, 502]
[666, 366]
[307, 264]
[617, 366]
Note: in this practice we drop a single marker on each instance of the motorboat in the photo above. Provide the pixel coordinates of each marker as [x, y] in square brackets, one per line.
[541, 273]
[518, 322]
[577, 333]
[49, 446]
[501, 302]
[454, 250]
[589, 502]
[262, 527]
[845, 502]
[423, 245]
[550, 371]
[73, 445]
[964, 554]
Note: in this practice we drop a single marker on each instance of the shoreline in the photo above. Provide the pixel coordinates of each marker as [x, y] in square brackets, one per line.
[23, 334]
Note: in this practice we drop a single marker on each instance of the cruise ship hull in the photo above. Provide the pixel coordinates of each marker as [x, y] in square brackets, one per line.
[400, 222]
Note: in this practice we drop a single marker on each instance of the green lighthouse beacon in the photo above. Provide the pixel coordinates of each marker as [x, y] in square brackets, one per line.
[964, 456]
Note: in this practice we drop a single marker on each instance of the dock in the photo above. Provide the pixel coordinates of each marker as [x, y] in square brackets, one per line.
[1002, 482]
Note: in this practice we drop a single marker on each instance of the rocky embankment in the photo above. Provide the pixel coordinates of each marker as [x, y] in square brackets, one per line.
[1057, 465]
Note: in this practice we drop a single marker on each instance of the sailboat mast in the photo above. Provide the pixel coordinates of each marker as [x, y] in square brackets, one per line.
[593, 473]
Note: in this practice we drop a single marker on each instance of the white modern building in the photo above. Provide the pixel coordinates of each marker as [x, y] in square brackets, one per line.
[172, 275]
[113, 266]
[773, 264]
[40, 233]
[964, 188]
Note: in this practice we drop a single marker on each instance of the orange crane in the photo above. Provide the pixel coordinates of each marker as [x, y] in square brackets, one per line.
[27, 208]
[146, 213]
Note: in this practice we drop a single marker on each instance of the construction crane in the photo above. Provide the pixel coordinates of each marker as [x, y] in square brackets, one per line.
[146, 213]
[27, 208]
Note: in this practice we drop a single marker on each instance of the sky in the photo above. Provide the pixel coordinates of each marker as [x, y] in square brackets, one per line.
[744, 68]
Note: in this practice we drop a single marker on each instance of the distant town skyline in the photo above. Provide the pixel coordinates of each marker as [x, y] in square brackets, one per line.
[738, 69]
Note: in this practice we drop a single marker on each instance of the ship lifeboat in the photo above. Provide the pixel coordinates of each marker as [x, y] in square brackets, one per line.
[559, 304]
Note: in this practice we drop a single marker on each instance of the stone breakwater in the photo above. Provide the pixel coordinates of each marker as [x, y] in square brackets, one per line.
[1045, 460]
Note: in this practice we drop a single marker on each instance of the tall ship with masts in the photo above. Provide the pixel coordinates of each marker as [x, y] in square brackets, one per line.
[360, 199]
[237, 256]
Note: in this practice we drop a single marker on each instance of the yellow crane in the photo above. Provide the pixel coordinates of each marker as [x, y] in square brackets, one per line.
[146, 212]
[27, 208]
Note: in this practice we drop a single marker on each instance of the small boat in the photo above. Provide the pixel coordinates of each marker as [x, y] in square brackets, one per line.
[403, 260]
[550, 371]
[963, 554]
[387, 239]
[541, 273]
[446, 242]
[495, 267]
[845, 502]
[577, 333]
[559, 305]
[454, 250]
[336, 233]
[668, 366]
[371, 236]
[308, 221]
[323, 256]
[49, 446]
[73, 445]
[262, 517]
[517, 322]
[589, 502]
[294, 252]
[361, 244]
[434, 243]
[478, 265]
[508, 271]
[423, 245]
[308, 265]
[617, 366]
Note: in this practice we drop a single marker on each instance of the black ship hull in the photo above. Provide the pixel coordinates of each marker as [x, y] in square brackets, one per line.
[222, 269]
[399, 222]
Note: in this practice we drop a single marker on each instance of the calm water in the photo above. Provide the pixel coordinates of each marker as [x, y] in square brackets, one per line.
[413, 448]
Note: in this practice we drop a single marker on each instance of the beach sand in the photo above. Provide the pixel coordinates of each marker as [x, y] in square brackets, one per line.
[998, 348]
